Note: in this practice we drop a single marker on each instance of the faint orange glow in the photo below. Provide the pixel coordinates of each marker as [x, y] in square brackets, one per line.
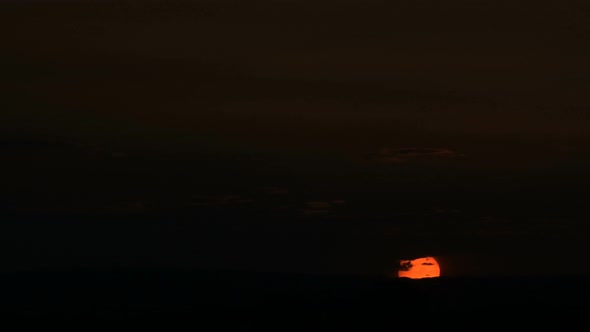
[426, 267]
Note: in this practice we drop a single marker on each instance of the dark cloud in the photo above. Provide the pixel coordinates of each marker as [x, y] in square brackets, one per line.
[403, 155]
[319, 205]
[276, 191]
[328, 207]
[228, 200]
[48, 148]
[24, 144]
[317, 208]
[405, 265]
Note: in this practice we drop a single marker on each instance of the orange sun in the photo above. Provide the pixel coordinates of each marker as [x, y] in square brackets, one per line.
[426, 267]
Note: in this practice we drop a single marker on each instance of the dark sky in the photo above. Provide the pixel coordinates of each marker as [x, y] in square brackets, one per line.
[304, 136]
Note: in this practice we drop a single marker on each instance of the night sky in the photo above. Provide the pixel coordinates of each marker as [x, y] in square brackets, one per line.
[328, 137]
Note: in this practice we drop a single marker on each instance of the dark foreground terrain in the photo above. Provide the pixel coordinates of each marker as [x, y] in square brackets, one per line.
[250, 300]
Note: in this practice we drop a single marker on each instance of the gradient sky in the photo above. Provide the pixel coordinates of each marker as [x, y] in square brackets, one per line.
[308, 136]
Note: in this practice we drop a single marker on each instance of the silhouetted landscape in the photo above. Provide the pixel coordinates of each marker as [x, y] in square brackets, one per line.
[257, 300]
[268, 162]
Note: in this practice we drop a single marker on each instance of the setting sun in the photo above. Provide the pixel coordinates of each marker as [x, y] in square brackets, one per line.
[426, 267]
